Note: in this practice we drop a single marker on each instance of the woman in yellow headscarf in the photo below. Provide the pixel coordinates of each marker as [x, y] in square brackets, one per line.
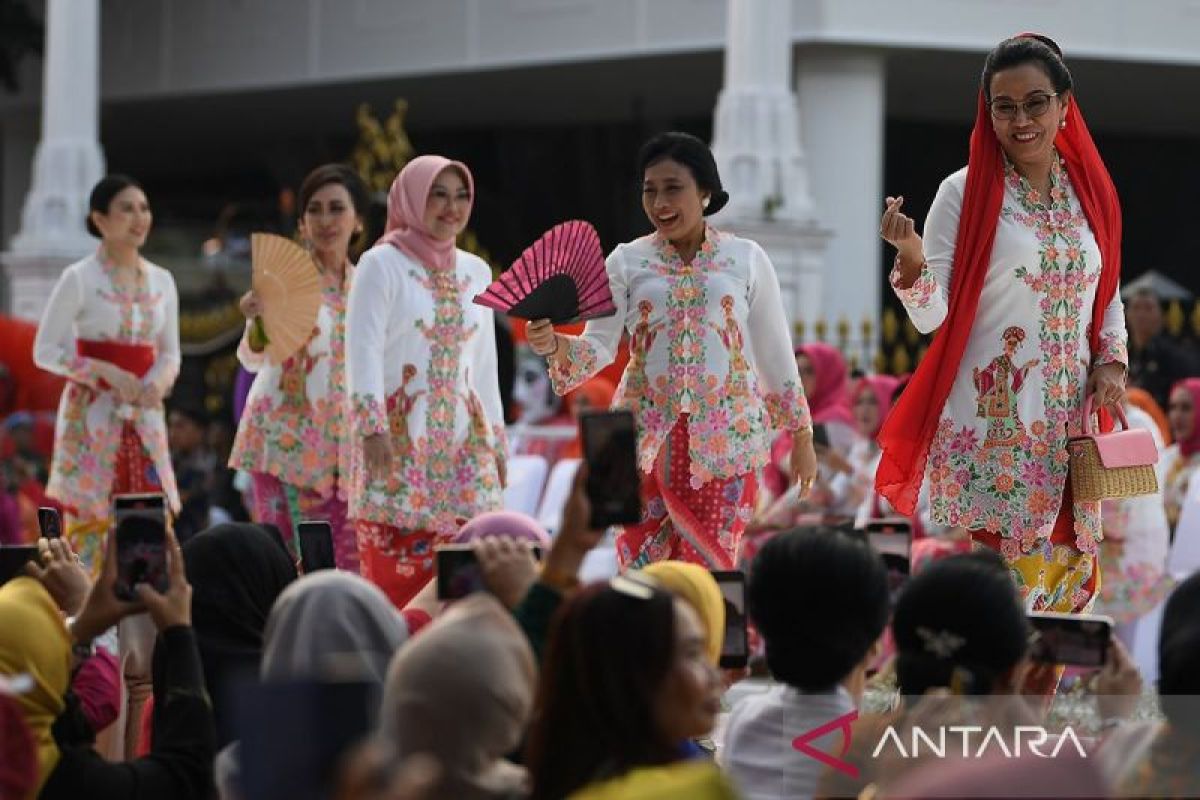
[695, 585]
[34, 642]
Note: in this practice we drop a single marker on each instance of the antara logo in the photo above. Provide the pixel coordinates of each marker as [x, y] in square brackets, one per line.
[842, 723]
[1025, 739]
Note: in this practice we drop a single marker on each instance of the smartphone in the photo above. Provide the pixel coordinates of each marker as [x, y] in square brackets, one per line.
[316, 545]
[820, 435]
[13, 558]
[294, 735]
[735, 648]
[1080, 640]
[892, 539]
[49, 522]
[613, 483]
[458, 573]
[140, 527]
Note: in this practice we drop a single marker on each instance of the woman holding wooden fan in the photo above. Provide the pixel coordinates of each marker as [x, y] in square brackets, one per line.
[111, 328]
[293, 438]
[424, 396]
[711, 372]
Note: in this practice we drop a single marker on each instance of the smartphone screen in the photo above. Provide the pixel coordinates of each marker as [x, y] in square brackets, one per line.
[13, 558]
[49, 522]
[140, 526]
[458, 573]
[316, 545]
[892, 539]
[735, 648]
[613, 483]
[820, 435]
[1074, 639]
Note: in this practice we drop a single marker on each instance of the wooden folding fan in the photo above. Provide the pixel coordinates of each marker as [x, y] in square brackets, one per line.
[288, 284]
[560, 277]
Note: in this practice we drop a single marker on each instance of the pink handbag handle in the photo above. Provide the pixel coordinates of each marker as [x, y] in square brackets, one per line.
[1088, 407]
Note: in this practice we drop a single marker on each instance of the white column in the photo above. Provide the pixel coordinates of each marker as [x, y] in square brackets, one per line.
[757, 144]
[842, 107]
[68, 161]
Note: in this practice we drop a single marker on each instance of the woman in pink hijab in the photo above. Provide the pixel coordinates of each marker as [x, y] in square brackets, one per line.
[424, 398]
[827, 386]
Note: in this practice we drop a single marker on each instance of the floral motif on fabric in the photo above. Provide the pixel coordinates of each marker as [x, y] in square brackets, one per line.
[1009, 479]
[301, 437]
[438, 485]
[1053, 578]
[369, 415]
[137, 304]
[1113, 350]
[580, 365]
[921, 293]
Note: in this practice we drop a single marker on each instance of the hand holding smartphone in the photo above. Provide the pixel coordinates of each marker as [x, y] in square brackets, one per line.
[459, 573]
[140, 528]
[49, 522]
[1074, 639]
[613, 483]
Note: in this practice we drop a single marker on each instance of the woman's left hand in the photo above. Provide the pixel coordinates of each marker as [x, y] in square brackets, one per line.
[804, 461]
[150, 397]
[1107, 385]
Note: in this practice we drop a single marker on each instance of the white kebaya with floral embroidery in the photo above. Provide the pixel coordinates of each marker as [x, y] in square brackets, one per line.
[998, 461]
[86, 304]
[707, 339]
[421, 361]
[294, 426]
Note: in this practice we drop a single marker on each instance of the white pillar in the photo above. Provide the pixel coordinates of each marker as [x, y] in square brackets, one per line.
[68, 161]
[842, 107]
[757, 144]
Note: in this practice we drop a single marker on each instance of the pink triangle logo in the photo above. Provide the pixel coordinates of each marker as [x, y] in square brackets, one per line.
[842, 723]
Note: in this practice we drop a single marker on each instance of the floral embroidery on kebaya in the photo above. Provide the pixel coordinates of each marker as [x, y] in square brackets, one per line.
[296, 433]
[1113, 350]
[687, 314]
[438, 484]
[137, 304]
[1009, 478]
[920, 295]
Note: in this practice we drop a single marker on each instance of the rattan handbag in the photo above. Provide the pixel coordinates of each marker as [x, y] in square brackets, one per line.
[1111, 466]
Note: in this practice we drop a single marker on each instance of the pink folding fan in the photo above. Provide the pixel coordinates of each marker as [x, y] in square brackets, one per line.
[560, 277]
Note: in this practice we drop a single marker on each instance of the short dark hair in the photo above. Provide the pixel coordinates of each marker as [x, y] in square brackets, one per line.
[1028, 49]
[102, 196]
[961, 613]
[691, 153]
[608, 656]
[820, 600]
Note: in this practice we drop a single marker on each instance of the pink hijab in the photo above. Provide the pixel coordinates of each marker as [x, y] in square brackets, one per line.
[406, 229]
[883, 387]
[829, 400]
[503, 523]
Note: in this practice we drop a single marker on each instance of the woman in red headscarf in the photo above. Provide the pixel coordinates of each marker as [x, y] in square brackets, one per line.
[1018, 272]
[429, 452]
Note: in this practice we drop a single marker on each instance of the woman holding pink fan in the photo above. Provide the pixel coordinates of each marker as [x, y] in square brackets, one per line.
[711, 371]
[424, 398]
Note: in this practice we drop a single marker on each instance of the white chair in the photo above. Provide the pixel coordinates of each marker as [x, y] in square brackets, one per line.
[558, 489]
[526, 477]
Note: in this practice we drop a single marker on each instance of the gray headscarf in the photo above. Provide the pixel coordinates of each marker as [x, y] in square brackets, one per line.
[462, 692]
[331, 625]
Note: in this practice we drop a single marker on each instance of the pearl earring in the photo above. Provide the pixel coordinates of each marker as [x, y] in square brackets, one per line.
[704, 202]
[1062, 124]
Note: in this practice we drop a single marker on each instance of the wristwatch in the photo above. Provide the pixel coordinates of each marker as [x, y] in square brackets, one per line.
[80, 651]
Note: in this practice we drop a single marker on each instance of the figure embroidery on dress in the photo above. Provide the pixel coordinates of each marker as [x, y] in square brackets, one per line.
[293, 377]
[640, 342]
[736, 384]
[399, 406]
[997, 386]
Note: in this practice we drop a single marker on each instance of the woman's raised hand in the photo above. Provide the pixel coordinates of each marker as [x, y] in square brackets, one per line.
[250, 305]
[542, 337]
[899, 230]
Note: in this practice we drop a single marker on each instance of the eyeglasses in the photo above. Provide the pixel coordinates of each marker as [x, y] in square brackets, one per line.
[1035, 106]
